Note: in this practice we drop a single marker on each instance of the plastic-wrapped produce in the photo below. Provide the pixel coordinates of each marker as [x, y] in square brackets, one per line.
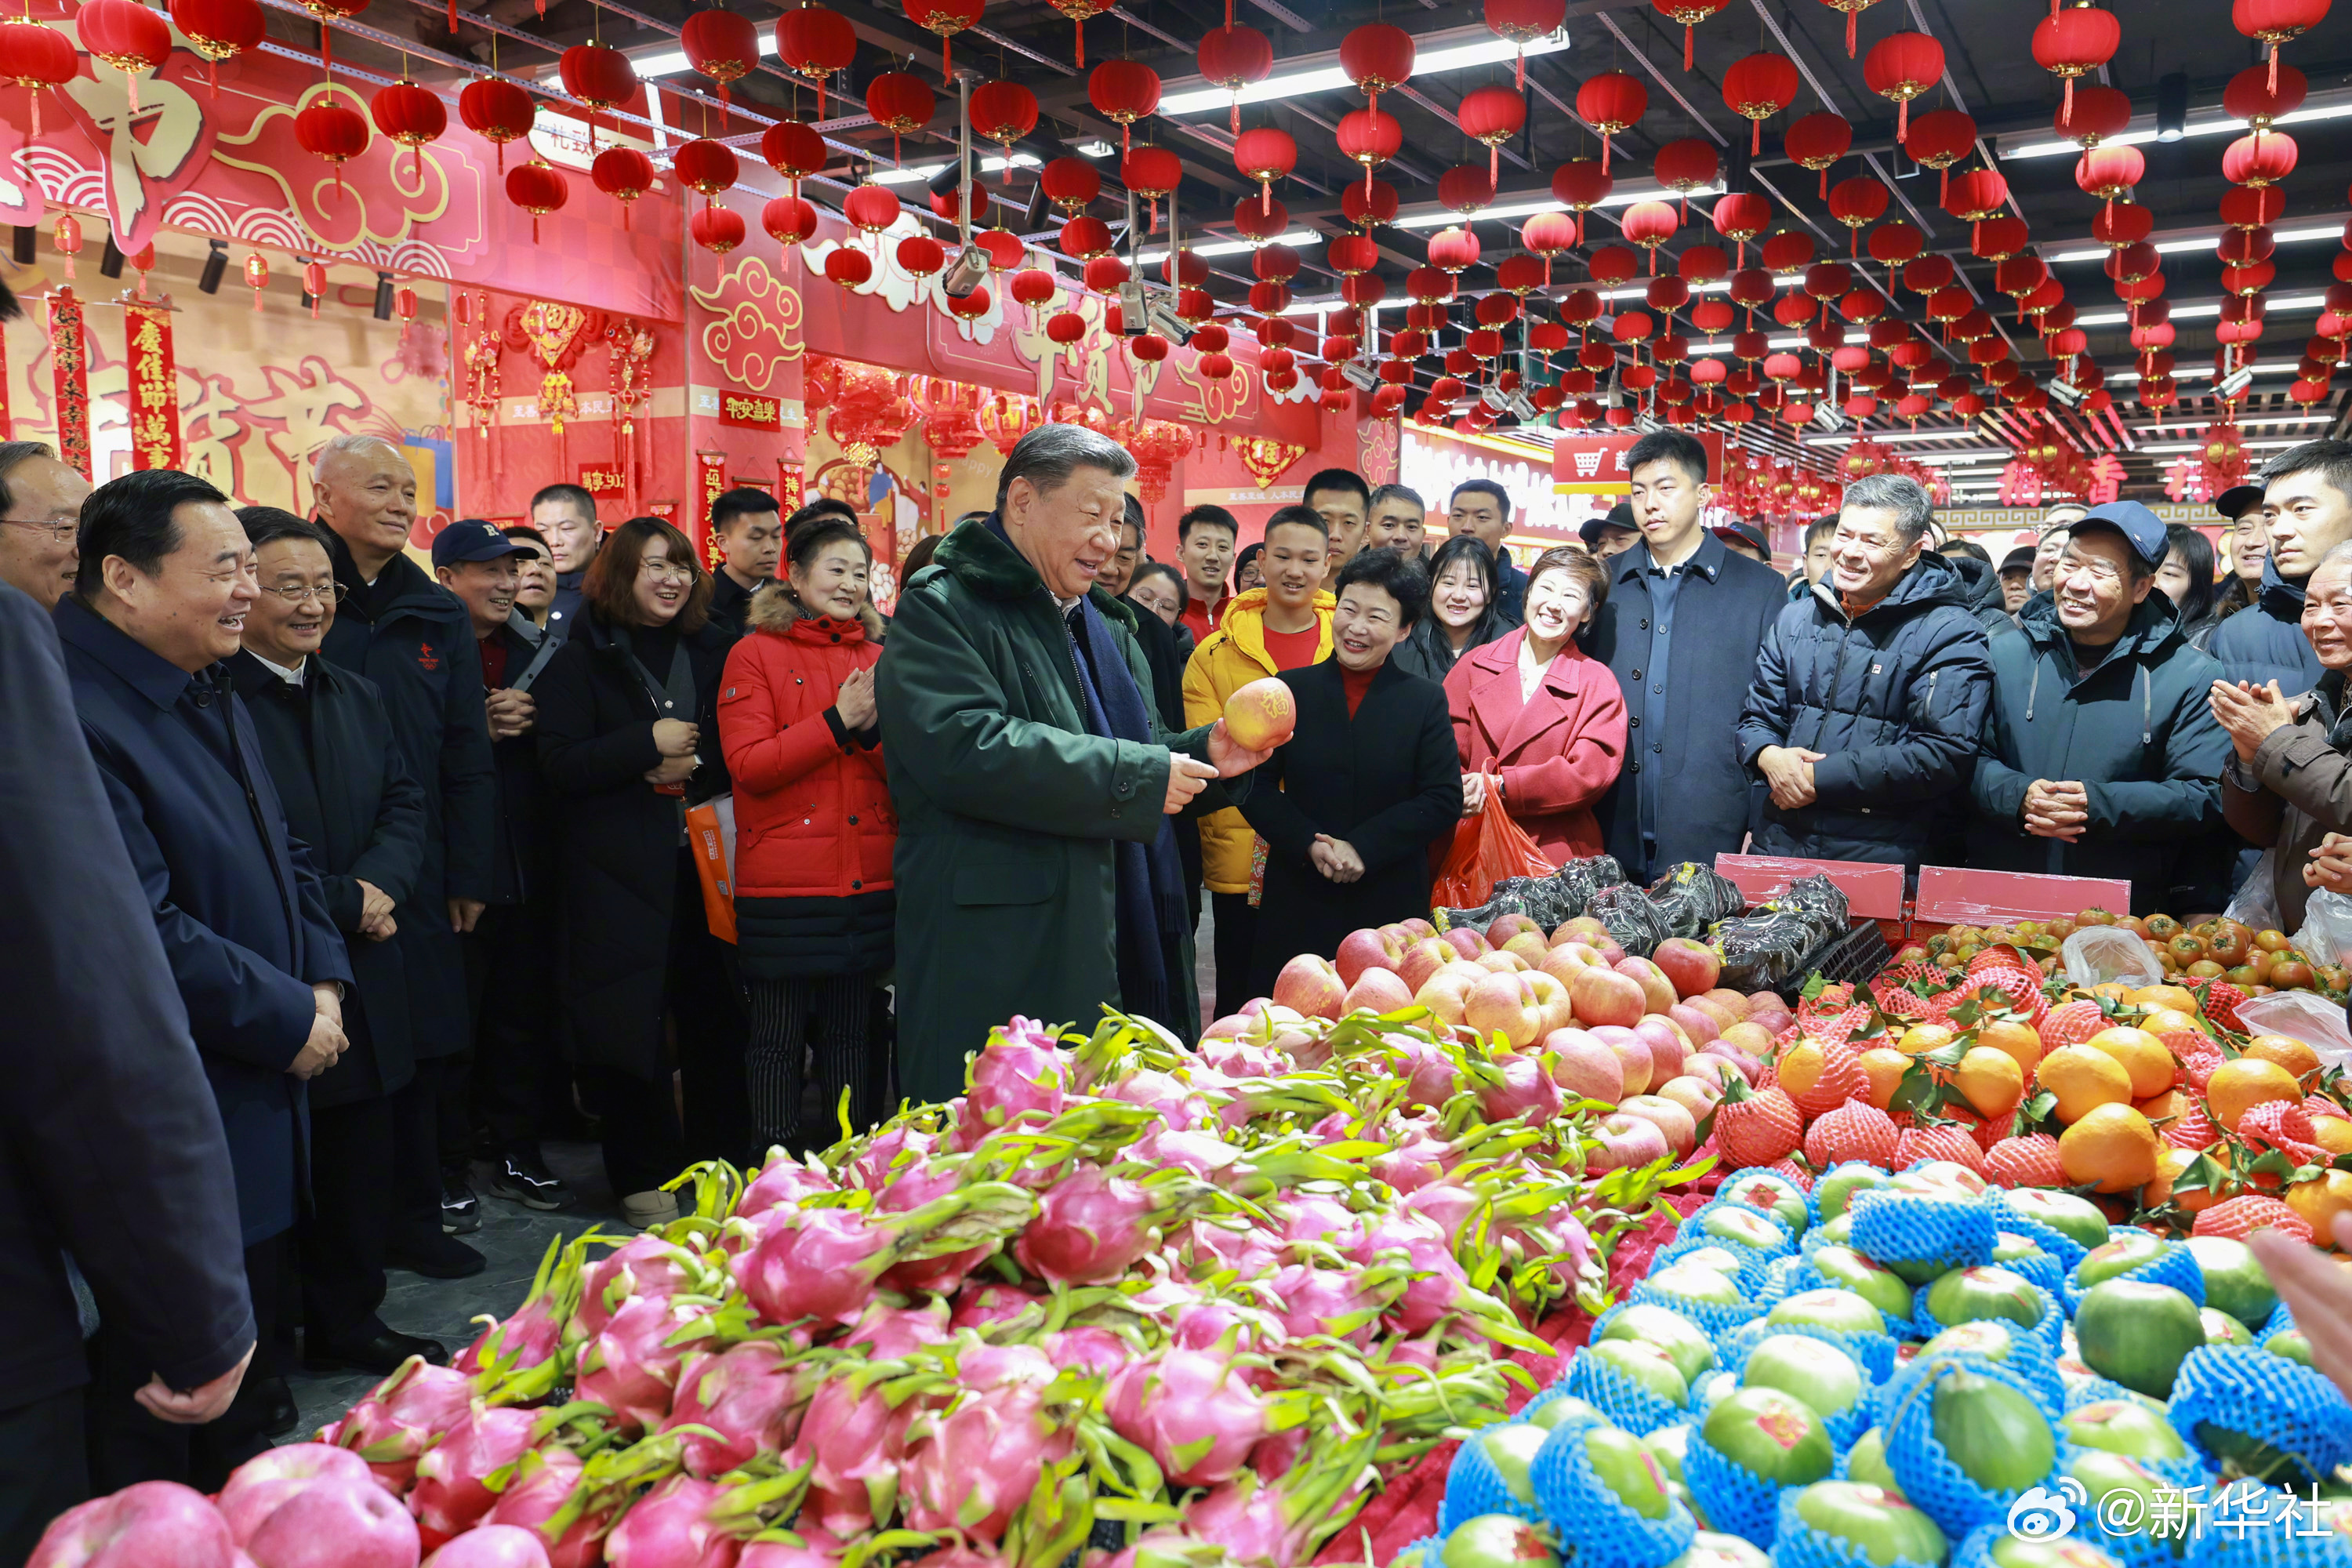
[1692, 897]
[1550, 901]
[1761, 951]
[1821, 901]
[1579, 879]
[1633, 922]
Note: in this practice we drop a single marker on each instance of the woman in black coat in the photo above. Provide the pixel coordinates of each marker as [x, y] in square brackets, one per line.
[1370, 778]
[1464, 610]
[628, 739]
[350, 799]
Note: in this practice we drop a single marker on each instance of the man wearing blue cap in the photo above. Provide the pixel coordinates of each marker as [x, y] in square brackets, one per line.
[2102, 755]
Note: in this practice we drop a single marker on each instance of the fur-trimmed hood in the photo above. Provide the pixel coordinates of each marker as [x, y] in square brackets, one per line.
[776, 608]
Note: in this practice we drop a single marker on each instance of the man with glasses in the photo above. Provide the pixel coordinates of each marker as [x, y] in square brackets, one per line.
[1870, 692]
[40, 507]
[410, 636]
[2102, 757]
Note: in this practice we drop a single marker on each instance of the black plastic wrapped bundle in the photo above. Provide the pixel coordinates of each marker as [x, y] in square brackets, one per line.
[1633, 922]
[1692, 897]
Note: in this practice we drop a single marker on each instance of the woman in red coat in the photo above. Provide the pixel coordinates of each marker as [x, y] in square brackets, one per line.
[1532, 708]
[814, 831]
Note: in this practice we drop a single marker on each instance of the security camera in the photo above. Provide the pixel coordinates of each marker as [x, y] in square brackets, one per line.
[2065, 393]
[1359, 375]
[1494, 401]
[1829, 419]
[966, 273]
[2236, 381]
[1166, 323]
[1133, 310]
[1521, 409]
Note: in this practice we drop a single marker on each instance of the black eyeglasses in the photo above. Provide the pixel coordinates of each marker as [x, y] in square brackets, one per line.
[302, 593]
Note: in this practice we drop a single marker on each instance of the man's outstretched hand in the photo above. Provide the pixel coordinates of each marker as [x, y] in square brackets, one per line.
[1229, 756]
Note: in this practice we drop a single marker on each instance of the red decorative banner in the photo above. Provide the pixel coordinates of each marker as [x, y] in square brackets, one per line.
[154, 387]
[790, 483]
[69, 364]
[602, 482]
[743, 484]
[749, 410]
[710, 484]
[4, 388]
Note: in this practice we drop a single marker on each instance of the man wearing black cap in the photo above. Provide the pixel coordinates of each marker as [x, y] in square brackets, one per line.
[2016, 579]
[2306, 501]
[2102, 754]
[517, 1057]
[1745, 539]
[1613, 534]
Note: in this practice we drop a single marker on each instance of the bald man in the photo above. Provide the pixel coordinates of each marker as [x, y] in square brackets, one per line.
[414, 638]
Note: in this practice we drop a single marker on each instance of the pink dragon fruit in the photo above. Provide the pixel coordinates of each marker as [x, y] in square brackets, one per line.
[1449, 1205]
[1091, 1227]
[878, 1163]
[152, 1524]
[1278, 1525]
[492, 1546]
[1327, 1301]
[1211, 1245]
[1089, 1347]
[1202, 1152]
[674, 1526]
[329, 1520]
[973, 1465]
[1519, 1086]
[258, 1487]
[751, 1393]
[452, 1493]
[1021, 1076]
[1218, 1323]
[822, 1264]
[814, 1550]
[1311, 1217]
[895, 1332]
[978, 1305]
[401, 1417]
[542, 1499]
[526, 1340]
[1240, 1058]
[1181, 1109]
[1276, 1453]
[781, 1183]
[1186, 1409]
[919, 1183]
[853, 1442]
[1439, 1287]
[1432, 1075]
[633, 1366]
[645, 1266]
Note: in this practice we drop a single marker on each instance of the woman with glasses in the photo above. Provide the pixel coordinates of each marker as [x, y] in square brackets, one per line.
[628, 739]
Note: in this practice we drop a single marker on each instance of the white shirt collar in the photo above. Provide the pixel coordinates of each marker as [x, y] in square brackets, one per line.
[291, 675]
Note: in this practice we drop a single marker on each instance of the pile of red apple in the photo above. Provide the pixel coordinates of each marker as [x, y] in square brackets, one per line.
[1654, 1038]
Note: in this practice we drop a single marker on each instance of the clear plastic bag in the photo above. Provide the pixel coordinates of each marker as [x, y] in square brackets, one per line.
[2326, 933]
[2098, 953]
[2303, 1016]
[2255, 903]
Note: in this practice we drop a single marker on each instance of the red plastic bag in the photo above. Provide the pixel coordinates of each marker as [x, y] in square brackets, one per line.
[1487, 848]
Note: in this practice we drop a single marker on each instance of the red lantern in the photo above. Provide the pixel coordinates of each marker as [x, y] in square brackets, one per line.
[1999, 238]
[2259, 160]
[1370, 138]
[1085, 237]
[870, 208]
[2246, 206]
[1450, 250]
[1977, 195]
[2273, 22]
[2122, 223]
[2252, 97]
[411, 116]
[1928, 274]
[1687, 166]
[1234, 58]
[1549, 234]
[1858, 202]
[1265, 154]
[919, 255]
[1757, 87]
[1609, 103]
[498, 112]
[717, 229]
[1787, 251]
[1739, 218]
[1580, 185]
[1492, 114]
[971, 306]
[1939, 139]
[1151, 173]
[719, 45]
[1613, 265]
[706, 166]
[1004, 112]
[2107, 173]
[1070, 182]
[333, 131]
[1122, 91]
[1258, 222]
[901, 102]
[2075, 42]
[789, 219]
[1690, 13]
[537, 189]
[849, 266]
[217, 29]
[125, 34]
[1373, 202]
[625, 174]
[1650, 225]
[1377, 56]
[816, 42]
[1103, 274]
[598, 76]
[2098, 112]
[1816, 141]
[314, 285]
[945, 18]
[1901, 67]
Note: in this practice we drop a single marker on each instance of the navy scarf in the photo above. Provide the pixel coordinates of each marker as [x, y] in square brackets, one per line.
[1150, 891]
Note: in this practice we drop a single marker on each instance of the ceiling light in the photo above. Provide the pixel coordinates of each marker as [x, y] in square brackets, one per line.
[670, 62]
[1328, 78]
[2198, 242]
[2172, 106]
[2244, 423]
[2203, 128]
[1439, 219]
[916, 173]
[1232, 246]
[1094, 149]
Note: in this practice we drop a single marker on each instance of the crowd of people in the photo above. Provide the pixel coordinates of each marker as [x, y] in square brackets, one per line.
[383, 873]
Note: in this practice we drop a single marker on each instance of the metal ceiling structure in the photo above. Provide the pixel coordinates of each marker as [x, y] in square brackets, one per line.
[1990, 72]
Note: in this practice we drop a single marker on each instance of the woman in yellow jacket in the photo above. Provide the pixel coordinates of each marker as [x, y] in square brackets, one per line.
[1284, 625]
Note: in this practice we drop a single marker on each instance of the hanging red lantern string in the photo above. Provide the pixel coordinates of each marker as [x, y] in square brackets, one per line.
[2099, 113]
[816, 42]
[2260, 160]
[1493, 115]
[1234, 58]
[2274, 22]
[1373, 202]
[217, 29]
[625, 174]
[1818, 141]
[1941, 138]
[2107, 173]
[2075, 42]
[1580, 185]
[599, 78]
[1259, 223]
[1687, 166]
[1377, 56]
[39, 58]
[947, 19]
[1690, 13]
[2252, 97]
[411, 116]
[901, 102]
[1611, 102]
[1370, 138]
[1853, 10]
[498, 112]
[1123, 91]
[125, 34]
[1522, 22]
[1901, 67]
[719, 45]
[1002, 113]
[1265, 154]
[1757, 87]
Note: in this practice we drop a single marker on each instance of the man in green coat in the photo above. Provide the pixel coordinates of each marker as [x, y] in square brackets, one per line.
[1036, 869]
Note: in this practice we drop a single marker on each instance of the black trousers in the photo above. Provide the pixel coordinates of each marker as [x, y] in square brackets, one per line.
[341, 1241]
[126, 1446]
[847, 1058]
[44, 1469]
[517, 1053]
[417, 1119]
[706, 1012]
[1236, 931]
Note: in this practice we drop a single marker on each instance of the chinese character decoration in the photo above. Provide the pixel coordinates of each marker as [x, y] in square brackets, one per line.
[710, 484]
[1159, 447]
[792, 483]
[552, 332]
[1265, 459]
[256, 277]
[2106, 478]
[631, 342]
[69, 367]
[67, 237]
[481, 360]
[154, 386]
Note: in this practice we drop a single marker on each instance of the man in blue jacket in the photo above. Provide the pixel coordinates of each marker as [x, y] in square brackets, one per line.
[160, 598]
[2306, 504]
[411, 636]
[1680, 630]
[1870, 692]
[2102, 757]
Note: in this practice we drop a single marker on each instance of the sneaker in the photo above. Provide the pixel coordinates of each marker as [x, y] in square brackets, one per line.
[461, 1210]
[647, 1210]
[524, 1179]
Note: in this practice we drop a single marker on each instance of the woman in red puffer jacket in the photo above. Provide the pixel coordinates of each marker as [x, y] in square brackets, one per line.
[814, 831]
